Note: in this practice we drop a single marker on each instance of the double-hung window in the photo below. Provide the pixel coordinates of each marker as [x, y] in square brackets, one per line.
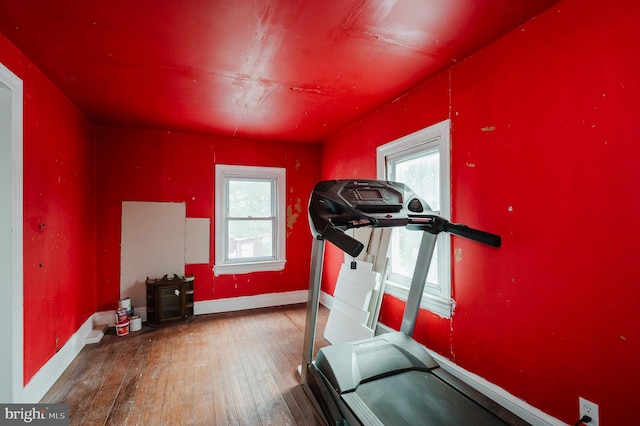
[420, 161]
[250, 221]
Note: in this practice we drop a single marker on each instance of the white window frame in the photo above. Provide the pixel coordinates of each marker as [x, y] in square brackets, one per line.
[438, 136]
[223, 173]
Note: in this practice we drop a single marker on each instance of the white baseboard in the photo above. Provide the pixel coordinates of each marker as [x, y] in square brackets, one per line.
[326, 299]
[249, 302]
[42, 381]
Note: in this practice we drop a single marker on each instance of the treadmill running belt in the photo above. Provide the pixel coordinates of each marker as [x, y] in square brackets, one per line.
[419, 398]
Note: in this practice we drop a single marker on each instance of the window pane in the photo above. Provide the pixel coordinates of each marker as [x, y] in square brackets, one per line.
[250, 238]
[421, 173]
[250, 198]
[404, 251]
[404, 246]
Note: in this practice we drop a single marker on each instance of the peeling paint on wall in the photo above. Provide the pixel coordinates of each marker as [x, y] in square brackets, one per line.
[458, 254]
[291, 216]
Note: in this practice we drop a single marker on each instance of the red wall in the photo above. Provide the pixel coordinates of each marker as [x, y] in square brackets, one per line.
[544, 153]
[143, 165]
[59, 214]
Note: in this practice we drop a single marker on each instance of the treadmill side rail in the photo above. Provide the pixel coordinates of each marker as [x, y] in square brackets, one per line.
[321, 396]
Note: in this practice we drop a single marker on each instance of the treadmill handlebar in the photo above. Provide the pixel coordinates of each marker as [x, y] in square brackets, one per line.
[346, 243]
[436, 224]
[433, 224]
[338, 205]
[474, 234]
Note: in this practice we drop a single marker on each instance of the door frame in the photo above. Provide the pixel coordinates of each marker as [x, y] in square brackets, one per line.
[12, 283]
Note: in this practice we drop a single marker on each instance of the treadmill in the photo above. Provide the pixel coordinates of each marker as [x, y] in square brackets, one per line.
[388, 379]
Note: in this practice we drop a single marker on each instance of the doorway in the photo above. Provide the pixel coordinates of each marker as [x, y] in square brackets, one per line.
[11, 238]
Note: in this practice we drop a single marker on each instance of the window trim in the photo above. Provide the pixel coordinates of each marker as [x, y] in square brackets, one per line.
[437, 136]
[224, 266]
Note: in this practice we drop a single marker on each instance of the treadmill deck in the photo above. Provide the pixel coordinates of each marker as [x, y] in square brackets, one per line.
[420, 398]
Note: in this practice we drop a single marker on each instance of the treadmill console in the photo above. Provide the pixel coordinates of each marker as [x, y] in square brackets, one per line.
[372, 197]
[347, 204]
[337, 205]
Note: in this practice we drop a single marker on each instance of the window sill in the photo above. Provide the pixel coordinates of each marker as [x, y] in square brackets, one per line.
[433, 302]
[245, 268]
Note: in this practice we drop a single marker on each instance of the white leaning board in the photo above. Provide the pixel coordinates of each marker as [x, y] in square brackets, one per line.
[343, 328]
[350, 310]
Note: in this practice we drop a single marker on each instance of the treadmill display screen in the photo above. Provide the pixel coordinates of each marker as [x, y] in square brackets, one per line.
[370, 194]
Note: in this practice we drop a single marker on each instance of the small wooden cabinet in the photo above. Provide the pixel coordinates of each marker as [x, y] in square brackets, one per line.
[169, 300]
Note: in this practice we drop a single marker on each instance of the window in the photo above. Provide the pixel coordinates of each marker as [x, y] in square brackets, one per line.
[421, 161]
[250, 219]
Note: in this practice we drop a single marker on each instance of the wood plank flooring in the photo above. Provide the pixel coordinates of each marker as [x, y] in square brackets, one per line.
[220, 369]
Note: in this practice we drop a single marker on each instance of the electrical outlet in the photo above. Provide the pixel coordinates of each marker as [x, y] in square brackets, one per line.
[590, 409]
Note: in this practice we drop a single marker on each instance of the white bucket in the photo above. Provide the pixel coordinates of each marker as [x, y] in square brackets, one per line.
[135, 323]
[124, 303]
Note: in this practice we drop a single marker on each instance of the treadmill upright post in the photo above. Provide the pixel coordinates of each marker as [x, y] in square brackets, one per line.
[313, 300]
[425, 253]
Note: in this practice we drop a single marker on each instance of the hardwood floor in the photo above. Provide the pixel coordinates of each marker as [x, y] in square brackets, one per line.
[220, 369]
